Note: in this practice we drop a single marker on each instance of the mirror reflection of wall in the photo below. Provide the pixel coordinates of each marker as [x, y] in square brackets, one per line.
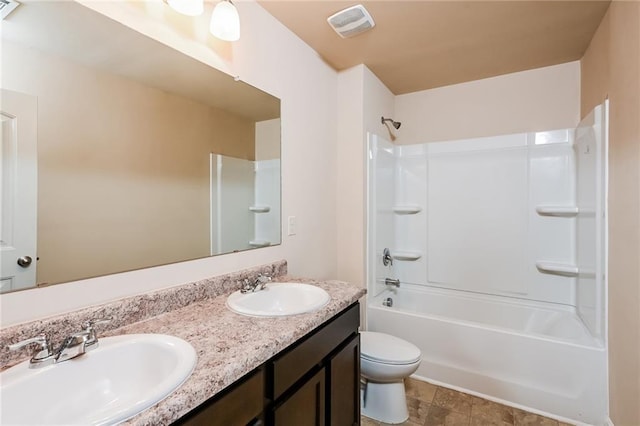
[124, 165]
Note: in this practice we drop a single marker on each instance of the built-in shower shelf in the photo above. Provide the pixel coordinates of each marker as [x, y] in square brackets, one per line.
[407, 209]
[260, 209]
[406, 255]
[562, 211]
[564, 269]
[259, 243]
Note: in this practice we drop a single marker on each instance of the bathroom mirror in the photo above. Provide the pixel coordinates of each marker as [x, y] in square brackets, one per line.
[145, 156]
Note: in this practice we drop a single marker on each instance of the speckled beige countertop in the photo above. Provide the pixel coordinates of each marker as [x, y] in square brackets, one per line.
[230, 345]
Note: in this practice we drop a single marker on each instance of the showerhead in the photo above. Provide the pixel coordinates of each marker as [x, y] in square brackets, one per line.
[395, 124]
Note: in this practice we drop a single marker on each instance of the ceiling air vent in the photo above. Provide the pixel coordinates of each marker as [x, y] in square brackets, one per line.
[351, 21]
[6, 7]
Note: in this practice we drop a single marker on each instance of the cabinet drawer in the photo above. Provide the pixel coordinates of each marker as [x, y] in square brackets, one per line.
[302, 357]
[238, 406]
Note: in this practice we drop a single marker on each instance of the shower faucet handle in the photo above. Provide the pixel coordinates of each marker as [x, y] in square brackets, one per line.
[387, 260]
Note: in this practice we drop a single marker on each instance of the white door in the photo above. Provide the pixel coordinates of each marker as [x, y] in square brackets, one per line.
[18, 186]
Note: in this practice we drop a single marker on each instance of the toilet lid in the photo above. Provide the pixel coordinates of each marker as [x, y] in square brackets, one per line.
[387, 349]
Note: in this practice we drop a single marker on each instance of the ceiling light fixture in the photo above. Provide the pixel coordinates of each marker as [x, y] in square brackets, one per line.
[187, 7]
[225, 21]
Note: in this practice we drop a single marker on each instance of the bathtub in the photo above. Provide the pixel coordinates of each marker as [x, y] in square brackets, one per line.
[531, 355]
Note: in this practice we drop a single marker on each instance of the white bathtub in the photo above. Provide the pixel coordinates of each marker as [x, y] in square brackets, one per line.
[532, 355]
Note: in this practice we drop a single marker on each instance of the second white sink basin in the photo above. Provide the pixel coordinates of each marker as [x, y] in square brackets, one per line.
[125, 375]
[279, 299]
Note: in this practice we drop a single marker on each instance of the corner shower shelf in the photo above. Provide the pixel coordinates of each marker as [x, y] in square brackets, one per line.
[406, 255]
[562, 211]
[260, 209]
[259, 243]
[407, 209]
[564, 269]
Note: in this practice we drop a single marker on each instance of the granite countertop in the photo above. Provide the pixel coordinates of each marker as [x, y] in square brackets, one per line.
[229, 345]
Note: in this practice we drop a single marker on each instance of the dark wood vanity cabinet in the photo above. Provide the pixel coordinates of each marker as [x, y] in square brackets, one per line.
[314, 382]
[331, 396]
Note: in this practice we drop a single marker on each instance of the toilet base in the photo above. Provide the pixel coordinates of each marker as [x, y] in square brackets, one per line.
[385, 402]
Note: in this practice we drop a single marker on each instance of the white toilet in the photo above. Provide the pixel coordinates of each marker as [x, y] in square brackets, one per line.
[385, 361]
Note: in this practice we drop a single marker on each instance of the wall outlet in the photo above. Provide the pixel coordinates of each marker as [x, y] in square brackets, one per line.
[291, 225]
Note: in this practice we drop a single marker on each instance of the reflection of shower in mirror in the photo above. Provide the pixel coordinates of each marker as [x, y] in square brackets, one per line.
[245, 203]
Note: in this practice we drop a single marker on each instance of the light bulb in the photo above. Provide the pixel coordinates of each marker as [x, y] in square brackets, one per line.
[187, 7]
[225, 21]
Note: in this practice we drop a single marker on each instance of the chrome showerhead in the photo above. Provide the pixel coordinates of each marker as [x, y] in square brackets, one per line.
[395, 124]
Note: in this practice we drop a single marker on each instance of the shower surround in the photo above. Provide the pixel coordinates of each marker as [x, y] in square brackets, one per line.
[499, 246]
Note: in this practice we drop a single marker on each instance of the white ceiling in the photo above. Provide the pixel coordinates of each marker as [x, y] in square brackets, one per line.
[420, 44]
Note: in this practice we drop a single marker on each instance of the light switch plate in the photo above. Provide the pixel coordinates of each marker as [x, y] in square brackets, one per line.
[291, 225]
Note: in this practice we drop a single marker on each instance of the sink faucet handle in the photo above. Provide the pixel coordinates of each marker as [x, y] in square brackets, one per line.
[261, 282]
[87, 325]
[41, 339]
[263, 278]
[88, 328]
[246, 286]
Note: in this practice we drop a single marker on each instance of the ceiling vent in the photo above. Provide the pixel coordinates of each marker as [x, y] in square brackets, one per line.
[351, 21]
[6, 7]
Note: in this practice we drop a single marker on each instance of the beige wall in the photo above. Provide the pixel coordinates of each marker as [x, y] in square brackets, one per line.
[267, 139]
[270, 57]
[112, 154]
[349, 176]
[540, 99]
[611, 67]
[362, 100]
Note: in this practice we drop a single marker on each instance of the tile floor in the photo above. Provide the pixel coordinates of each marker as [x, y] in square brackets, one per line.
[431, 405]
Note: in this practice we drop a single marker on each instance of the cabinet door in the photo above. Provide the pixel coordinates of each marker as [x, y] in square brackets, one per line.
[305, 407]
[239, 405]
[344, 385]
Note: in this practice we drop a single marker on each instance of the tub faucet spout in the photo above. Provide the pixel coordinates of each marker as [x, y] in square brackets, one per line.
[391, 281]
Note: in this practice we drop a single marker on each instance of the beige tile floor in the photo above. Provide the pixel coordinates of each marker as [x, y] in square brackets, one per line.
[431, 405]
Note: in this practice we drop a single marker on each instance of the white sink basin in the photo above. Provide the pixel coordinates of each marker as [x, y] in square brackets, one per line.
[123, 376]
[279, 299]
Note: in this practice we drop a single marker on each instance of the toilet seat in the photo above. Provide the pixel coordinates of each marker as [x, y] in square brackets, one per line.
[386, 349]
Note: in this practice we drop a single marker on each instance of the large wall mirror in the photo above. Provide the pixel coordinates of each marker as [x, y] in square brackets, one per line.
[120, 153]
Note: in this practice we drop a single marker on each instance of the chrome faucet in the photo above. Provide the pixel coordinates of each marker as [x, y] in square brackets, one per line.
[73, 346]
[259, 284]
[78, 343]
[44, 356]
